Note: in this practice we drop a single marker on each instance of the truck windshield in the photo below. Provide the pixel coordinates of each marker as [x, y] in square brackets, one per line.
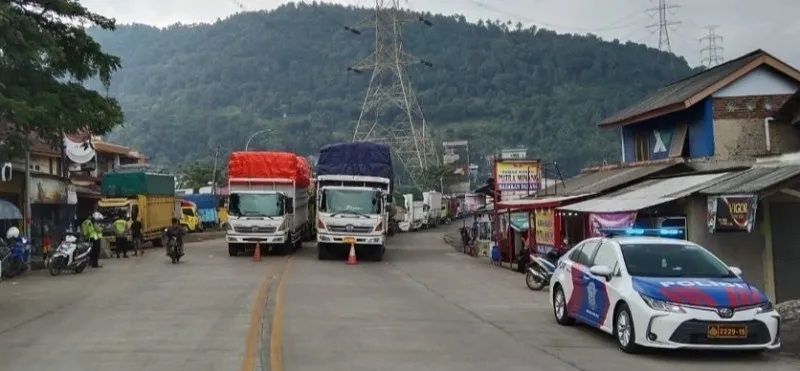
[355, 200]
[253, 204]
[110, 212]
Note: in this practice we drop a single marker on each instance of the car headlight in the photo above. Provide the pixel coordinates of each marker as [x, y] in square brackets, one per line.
[661, 305]
[766, 307]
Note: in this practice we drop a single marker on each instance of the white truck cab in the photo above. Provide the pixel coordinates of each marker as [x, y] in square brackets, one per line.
[352, 210]
[270, 212]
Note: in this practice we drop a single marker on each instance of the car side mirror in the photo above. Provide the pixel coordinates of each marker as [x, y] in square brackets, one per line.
[289, 204]
[601, 271]
[736, 270]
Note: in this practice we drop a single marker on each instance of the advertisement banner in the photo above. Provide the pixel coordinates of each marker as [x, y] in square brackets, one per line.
[545, 229]
[47, 191]
[598, 221]
[457, 154]
[732, 213]
[515, 179]
[520, 221]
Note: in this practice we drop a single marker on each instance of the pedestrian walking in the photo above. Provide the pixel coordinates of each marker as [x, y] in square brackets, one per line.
[136, 236]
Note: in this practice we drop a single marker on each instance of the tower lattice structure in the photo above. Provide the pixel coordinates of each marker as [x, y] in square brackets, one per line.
[663, 23]
[712, 52]
[390, 112]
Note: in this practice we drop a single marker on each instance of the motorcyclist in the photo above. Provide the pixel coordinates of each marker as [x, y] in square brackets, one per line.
[12, 235]
[175, 230]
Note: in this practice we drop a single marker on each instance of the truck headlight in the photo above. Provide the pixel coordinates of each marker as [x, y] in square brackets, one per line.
[661, 305]
[320, 225]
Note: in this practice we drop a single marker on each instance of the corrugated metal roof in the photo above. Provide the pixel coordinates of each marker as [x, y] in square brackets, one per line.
[656, 192]
[680, 91]
[601, 181]
[752, 180]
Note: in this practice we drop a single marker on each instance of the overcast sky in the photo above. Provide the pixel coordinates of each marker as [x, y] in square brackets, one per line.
[745, 25]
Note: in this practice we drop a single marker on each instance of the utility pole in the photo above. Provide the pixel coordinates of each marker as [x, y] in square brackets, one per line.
[214, 172]
[663, 24]
[390, 112]
[712, 52]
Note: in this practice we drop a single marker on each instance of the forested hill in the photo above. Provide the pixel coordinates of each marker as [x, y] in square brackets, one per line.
[187, 88]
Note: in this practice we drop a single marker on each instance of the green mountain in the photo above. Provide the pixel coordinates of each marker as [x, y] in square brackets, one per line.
[187, 88]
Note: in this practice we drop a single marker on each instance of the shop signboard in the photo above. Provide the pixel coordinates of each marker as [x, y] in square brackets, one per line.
[598, 221]
[47, 191]
[520, 221]
[456, 153]
[515, 179]
[545, 230]
[732, 213]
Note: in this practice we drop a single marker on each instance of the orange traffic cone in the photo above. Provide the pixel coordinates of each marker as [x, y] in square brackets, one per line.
[351, 259]
[257, 253]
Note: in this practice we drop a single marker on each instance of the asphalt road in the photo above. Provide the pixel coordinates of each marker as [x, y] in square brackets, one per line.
[426, 307]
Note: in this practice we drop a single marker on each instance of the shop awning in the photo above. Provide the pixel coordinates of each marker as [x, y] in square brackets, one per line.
[753, 180]
[647, 194]
[536, 203]
[9, 211]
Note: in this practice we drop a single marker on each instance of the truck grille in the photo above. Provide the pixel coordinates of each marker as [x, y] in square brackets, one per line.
[694, 332]
[352, 229]
[254, 229]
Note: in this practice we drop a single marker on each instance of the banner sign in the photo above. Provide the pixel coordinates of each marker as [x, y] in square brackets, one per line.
[598, 221]
[732, 213]
[515, 179]
[520, 221]
[545, 230]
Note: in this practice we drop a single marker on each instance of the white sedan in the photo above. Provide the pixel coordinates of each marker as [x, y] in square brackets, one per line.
[661, 293]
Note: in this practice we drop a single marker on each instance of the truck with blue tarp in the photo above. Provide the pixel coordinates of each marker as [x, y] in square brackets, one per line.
[206, 208]
[354, 187]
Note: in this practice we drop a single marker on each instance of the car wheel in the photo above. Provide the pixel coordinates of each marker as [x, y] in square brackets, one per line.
[560, 308]
[624, 330]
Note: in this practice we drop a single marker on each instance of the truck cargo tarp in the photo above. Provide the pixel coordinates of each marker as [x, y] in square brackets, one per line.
[359, 158]
[203, 200]
[132, 184]
[275, 165]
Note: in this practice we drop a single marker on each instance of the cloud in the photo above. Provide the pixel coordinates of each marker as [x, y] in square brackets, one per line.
[745, 25]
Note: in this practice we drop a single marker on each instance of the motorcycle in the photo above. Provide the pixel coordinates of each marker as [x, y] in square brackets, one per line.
[15, 258]
[174, 251]
[540, 270]
[70, 254]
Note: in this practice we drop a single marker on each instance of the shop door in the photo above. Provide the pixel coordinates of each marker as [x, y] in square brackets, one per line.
[786, 249]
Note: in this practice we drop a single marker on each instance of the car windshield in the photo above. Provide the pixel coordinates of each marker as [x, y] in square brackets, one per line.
[672, 260]
[254, 204]
[353, 200]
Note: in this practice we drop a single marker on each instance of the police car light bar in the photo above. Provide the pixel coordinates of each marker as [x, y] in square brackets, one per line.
[674, 232]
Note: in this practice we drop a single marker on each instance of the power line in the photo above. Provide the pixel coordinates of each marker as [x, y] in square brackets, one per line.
[713, 49]
[391, 113]
[663, 23]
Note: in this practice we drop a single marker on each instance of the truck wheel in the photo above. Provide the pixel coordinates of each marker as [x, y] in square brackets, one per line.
[233, 250]
[378, 255]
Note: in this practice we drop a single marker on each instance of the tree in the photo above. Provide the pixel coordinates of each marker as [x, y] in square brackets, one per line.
[45, 57]
[199, 174]
[436, 176]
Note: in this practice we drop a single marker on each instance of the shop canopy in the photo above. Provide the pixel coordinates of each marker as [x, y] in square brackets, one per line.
[536, 203]
[8, 211]
[648, 194]
[753, 180]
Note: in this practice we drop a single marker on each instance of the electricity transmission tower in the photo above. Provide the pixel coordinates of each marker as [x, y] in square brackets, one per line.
[712, 52]
[663, 23]
[390, 112]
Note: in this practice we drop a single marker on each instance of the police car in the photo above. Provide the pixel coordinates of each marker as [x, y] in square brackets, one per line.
[651, 289]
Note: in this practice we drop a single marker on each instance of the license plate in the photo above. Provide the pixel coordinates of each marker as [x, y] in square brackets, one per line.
[349, 239]
[726, 331]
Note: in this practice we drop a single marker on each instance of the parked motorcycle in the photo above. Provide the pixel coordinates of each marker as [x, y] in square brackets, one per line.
[15, 258]
[174, 250]
[540, 270]
[70, 254]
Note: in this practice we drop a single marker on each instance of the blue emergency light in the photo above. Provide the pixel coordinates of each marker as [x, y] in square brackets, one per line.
[671, 232]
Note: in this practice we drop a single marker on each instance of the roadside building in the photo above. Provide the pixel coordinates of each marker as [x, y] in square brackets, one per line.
[722, 124]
